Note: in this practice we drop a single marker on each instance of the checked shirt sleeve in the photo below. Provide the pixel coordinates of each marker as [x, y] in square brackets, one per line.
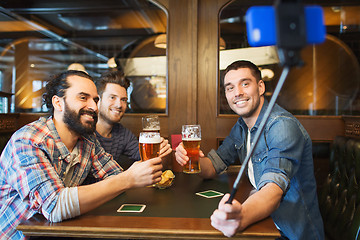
[103, 163]
[33, 177]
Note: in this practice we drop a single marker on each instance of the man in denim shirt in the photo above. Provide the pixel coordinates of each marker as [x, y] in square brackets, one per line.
[280, 169]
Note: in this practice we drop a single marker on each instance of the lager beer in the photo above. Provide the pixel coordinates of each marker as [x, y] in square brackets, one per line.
[149, 145]
[192, 147]
[151, 123]
[191, 138]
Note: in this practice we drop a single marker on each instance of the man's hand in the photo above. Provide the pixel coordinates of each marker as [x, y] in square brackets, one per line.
[141, 174]
[165, 148]
[231, 218]
[227, 218]
[181, 154]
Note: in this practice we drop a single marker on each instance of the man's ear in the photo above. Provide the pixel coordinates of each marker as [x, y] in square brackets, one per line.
[261, 86]
[58, 103]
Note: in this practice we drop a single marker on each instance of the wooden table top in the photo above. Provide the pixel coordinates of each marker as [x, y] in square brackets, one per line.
[173, 213]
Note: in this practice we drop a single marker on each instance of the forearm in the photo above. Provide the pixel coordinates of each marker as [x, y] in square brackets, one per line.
[67, 205]
[260, 205]
[94, 195]
[207, 168]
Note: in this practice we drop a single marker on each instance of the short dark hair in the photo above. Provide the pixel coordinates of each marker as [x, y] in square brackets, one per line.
[57, 84]
[112, 76]
[244, 64]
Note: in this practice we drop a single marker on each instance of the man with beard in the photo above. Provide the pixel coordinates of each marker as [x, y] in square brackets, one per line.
[280, 169]
[117, 140]
[46, 161]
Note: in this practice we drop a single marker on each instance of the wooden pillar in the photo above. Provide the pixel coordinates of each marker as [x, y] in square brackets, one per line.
[23, 86]
[192, 51]
[208, 69]
[182, 63]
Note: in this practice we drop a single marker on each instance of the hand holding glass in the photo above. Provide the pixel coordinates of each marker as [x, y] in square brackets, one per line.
[149, 145]
[191, 138]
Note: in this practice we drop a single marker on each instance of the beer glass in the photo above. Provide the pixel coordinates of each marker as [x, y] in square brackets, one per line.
[151, 123]
[149, 145]
[191, 138]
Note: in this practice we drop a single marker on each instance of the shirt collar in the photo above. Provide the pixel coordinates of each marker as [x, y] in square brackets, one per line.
[261, 115]
[64, 152]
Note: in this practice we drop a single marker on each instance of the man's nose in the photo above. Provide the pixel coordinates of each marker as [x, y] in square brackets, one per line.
[118, 103]
[93, 105]
[238, 91]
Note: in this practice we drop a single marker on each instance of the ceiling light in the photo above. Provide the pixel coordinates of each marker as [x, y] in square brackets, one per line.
[160, 41]
[111, 63]
[267, 74]
[77, 67]
[222, 44]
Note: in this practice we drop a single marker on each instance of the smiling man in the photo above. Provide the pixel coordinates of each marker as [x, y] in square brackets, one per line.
[117, 140]
[280, 169]
[46, 161]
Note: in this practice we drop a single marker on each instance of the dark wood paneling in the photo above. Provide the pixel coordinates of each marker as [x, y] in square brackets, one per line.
[182, 63]
[352, 126]
[320, 128]
[323, 128]
[8, 122]
[208, 57]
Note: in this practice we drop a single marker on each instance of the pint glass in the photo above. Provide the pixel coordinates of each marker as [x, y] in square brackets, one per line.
[191, 138]
[151, 123]
[149, 145]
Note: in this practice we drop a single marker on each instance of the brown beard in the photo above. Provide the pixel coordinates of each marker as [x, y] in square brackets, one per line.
[73, 122]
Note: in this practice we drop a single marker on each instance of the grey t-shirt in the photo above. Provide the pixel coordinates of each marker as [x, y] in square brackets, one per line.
[121, 145]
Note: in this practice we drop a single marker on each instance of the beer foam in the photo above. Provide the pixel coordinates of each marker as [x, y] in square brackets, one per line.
[191, 139]
[153, 128]
[150, 139]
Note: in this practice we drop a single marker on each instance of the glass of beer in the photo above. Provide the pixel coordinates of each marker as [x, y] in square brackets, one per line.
[151, 123]
[191, 138]
[149, 145]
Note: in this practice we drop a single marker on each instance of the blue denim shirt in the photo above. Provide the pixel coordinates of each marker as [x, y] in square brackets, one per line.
[282, 156]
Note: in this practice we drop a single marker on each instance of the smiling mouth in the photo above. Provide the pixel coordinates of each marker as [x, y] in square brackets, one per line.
[115, 111]
[89, 116]
[240, 102]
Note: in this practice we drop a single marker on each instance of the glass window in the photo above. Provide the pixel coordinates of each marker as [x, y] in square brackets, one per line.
[39, 39]
[328, 82]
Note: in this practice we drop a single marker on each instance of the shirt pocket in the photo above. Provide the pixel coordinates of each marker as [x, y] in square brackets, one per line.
[259, 157]
[238, 146]
[241, 153]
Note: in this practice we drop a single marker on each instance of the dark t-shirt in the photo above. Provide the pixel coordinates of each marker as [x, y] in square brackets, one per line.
[123, 145]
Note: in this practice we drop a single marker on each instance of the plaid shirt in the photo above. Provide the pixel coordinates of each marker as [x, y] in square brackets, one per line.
[32, 168]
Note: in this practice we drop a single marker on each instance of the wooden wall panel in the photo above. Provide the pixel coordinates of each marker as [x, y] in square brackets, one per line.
[182, 63]
[352, 126]
[208, 57]
[323, 128]
[320, 128]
